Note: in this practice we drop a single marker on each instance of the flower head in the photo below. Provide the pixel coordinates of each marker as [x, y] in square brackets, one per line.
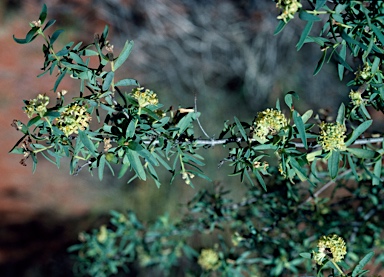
[332, 136]
[73, 118]
[289, 7]
[37, 105]
[144, 97]
[268, 122]
[208, 259]
[356, 98]
[331, 246]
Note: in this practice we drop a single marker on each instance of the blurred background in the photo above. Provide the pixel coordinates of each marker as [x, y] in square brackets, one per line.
[222, 51]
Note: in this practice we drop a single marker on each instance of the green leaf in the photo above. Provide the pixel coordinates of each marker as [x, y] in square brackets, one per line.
[377, 172]
[333, 164]
[304, 35]
[123, 169]
[31, 35]
[378, 33]
[300, 128]
[61, 76]
[320, 63]
[260, 179]
[127, 82]
[54, 36]
[241, 129]
[43, 14]
[49, 24]
[362, 153]
[136, 165]
[320, 4]
[306, 255]
[101, 165]
[340, 67]
[279, 27]
[341, 114]
[87, 142]
[123, 55]
[130, 132]
[108, 80]
[357, 270]
[358, 131]
[303, 15]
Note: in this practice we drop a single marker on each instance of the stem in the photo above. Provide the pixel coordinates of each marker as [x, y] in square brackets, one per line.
[337, 267]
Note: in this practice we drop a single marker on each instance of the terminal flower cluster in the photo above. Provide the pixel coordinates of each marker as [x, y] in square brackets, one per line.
[208, 259]
[332, 136]
[37, 105]
[73, 118]
[331, 246]
[289, 7]
[145, 97]
[268, 122]
[356, 98]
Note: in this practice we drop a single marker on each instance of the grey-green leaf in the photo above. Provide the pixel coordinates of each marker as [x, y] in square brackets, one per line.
[123, 55]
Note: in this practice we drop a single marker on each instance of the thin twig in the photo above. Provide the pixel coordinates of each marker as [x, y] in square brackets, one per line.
[198, 120]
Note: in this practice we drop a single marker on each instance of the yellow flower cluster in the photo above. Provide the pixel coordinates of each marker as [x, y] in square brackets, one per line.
[331, 246]
[73, 118]
[365, 73]
[356, 98]
[289, 7]
[187, 176]
[37, 105]
[208, 259]
[268, 122]
[144, 97]
[332, 136]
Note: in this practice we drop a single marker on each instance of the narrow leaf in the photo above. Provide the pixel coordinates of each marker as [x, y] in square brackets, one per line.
[136, 165]
[43, 14]
[304, 35]
[333, 164]
[280, 27]
[241, 129]
[320, 63]
[358, 131]
[87, 142]
[377, 172]
[123, 55]
[357, 270]
[300, 128]
[61, 76]
[108, 80]
[127, 82]
[55, 35]
[362, 153]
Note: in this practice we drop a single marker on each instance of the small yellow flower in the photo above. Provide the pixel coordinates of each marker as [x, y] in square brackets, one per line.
[356, 98]
[332, 136]
[365, 73]
[73, 118]
[144, 97]
[289, 7]
[331, 246]
[208, 259]
[268, 122]
[37, 105]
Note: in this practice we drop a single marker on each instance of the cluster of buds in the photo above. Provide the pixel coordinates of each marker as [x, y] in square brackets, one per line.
[332, 136]
[289, 7]
[144, 97]
[268, 122]
[37, 105]
[187, 176]
[208, 259]
[258, 165]
[356, 98]
[73, 118]
[330, 247]
[365, 73]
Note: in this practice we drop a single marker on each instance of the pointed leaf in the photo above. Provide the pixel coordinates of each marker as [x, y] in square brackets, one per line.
[123, 55]
[333, 164]
[300, 128]
[357, 270]
[358, 131]
[304, 35]
[241, 129]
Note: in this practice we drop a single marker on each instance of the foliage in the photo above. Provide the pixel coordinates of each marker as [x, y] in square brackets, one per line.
[294, 156]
